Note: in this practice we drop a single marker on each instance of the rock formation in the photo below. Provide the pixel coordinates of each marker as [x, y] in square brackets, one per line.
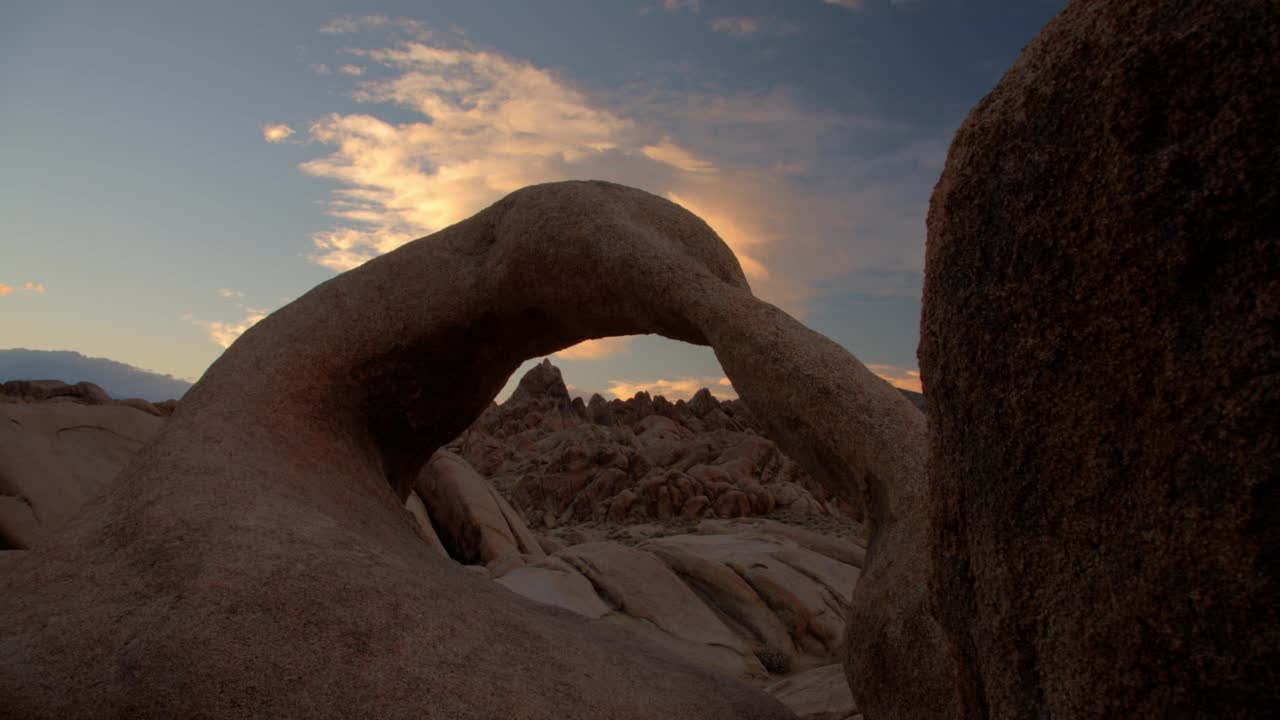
[817, 695]
[81, 393]
[712, 599]
[476, 524]
[633, 461]
[57, 455]
[256, 555]
[1099, 352]
[744, 599]
[85, 393]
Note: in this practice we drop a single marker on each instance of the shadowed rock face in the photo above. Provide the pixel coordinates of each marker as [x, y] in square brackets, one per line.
[1099, 352]
[253, 558]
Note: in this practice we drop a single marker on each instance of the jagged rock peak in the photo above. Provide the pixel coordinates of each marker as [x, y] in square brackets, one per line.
[703, 402]
[599, 411]
[542, 381]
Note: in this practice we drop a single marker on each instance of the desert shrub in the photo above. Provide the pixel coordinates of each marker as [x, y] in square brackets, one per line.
[774, 660]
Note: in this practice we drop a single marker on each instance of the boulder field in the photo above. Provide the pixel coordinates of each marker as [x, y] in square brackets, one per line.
[643, 459]
[752, 599]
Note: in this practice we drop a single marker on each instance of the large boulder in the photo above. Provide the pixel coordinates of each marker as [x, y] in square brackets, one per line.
[552, 581]
[257, 557]
[475, 523]
[642, 588]
[57, 456]
[796, 584]
[1099, 353]
[817, 694]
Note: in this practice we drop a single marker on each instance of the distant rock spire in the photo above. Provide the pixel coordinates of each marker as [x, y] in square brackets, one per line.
[542, 381]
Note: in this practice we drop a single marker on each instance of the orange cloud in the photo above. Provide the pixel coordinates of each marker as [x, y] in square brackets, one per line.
[225, 333]
[678, 389]
[734, 234]
[276, 133]
[26, 287]
[669, 153]
[481, 124]
[493, 124]
[598, 348]
[898, 377]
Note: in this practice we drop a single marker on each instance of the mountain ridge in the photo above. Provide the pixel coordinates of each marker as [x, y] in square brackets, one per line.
[120, 380]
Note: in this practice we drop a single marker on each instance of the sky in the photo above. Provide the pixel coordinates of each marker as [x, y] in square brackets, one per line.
[172, 172]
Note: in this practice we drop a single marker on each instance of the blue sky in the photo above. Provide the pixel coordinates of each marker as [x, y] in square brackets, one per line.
[171, 171]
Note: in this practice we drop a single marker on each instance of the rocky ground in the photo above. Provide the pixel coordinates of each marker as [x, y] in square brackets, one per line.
[676, 522]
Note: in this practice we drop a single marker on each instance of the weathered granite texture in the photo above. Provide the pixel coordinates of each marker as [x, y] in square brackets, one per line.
[1100, 347]
[254, 560]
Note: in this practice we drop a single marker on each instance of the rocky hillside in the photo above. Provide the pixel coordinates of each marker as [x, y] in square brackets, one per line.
[563, 461]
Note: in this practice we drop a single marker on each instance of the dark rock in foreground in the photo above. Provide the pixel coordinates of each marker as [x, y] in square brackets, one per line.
[1100, 344]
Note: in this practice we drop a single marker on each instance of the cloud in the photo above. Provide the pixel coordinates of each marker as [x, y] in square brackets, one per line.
[739, 238]
[225, 333]
[276, 133]
[489, 125]
[355, 24]
[596, 349]
[353, 70]
[320, 69]
[669, 153]
[375, 23]
[676, 6]
[681, 388]
[748, 27]
[577, 392]
[805, 192]
[848, 4]
[35, 287]
[898, 377]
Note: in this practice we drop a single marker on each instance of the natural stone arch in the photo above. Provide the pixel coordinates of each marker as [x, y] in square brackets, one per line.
[278, 461]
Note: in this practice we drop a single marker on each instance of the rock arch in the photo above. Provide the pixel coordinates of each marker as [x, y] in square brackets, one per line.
[254, 545]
